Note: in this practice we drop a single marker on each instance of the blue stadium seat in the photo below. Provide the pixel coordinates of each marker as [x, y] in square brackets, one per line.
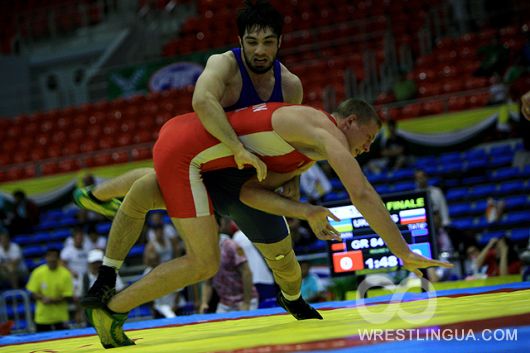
[526, 171]
[336, 184]
[450, 157]
[167, 219]
[520, 234]
[475, 153]
[474, 180]
[422, 162]
[504, 173]
[463, 223]
[503, 150]
[477, 163]
[400, 175]
[67, 222]
[517, 201]
[137, 250]
[23, 239]
[60, 234]
[404, 186]
[33, 251]
[456, 194]
[372, 178]
[453, 167]
[485, 238]
[103, 228]
[71, 212]
[335, 196]
[500, 161]
[483, 191]
[452, 183]
[41, 237]
[509, 187]
[432, 169]
[513, 218]
[382, 189]
[460, 209]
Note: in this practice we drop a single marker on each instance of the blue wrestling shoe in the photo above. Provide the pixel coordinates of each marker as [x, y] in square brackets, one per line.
[298, 308]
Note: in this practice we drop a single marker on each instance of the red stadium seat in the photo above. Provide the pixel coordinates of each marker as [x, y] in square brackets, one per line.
[457, 103]
[433, 107]
[139, 154]
[412, 110]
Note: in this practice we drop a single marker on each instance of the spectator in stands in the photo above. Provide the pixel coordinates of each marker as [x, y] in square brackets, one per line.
[26, 214]
[497, 258]
[164, 306]
[161, 245]
[51, 286]
[233, 281]
[312, 288]
[438, 202]
[300, 234]
[404, 89]
[261, 275]
[494, 210]
[12, 266]
[498, 90]
[393, 151]
[94, 240]
[314, 184]
[446, 251]
[75, 256]
[494, 58]
[156, 220]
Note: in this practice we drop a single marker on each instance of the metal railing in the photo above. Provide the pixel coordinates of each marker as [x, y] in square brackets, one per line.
[13, 299]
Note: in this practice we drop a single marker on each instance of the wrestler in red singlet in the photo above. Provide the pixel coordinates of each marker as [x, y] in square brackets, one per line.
[185, 149]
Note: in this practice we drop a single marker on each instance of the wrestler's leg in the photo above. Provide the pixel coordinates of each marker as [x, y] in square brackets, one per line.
[119, 186]
[201, 262]
[285, 268]
[143, 196]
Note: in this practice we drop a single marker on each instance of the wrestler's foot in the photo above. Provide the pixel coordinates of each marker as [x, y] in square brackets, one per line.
[298, 308]
[84, 199]
[102, 290]
[109, 327]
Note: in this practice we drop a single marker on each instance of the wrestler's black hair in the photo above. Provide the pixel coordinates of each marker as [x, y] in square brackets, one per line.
[260, 14]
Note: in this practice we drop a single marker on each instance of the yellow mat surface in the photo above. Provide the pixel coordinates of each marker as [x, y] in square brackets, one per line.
[273, 330]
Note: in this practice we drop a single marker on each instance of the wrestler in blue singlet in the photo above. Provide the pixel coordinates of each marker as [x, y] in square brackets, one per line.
[224, 185]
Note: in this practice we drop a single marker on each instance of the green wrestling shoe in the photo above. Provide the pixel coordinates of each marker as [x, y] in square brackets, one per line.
[109, 327]
[84, 200]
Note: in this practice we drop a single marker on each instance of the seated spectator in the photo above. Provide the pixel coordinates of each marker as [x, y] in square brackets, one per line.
[494, 210]
[12, 266]
[233, 281]
[498, 90]
[403, 88]
[445, 249]
[75, 257]
[26, 214]
[494, 58]
[436, 195]
[314, 184]
[496, 259]
[393, 151]
[156, 219]
[94, 240]
[160, 244]
[52, 287]
[312, 288]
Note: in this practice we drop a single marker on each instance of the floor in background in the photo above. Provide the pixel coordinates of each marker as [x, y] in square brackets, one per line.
[486, 319]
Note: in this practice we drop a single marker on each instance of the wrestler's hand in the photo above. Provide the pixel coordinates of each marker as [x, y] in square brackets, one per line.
[525, 101]
[413, 262]
[291, 189]
[317, 217]
[243, 157]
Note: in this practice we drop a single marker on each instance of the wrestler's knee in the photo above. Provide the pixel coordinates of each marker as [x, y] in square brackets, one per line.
[284, 265]
[206, 266]
[142, 197]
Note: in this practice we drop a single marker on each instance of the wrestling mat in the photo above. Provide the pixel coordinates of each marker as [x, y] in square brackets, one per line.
[486, 319]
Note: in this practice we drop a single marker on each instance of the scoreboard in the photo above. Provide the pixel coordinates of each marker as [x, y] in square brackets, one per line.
[362, 251]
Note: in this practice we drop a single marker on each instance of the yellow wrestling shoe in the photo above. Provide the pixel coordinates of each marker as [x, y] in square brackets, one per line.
[109, 327]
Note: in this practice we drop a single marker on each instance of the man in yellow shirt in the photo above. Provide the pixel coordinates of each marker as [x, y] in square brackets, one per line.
[51, 285]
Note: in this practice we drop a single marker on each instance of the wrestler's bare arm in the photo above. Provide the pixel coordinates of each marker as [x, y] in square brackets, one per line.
[261, 196]
[209, 90]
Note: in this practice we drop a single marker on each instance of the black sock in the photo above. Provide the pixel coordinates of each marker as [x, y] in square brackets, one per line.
[93, 198]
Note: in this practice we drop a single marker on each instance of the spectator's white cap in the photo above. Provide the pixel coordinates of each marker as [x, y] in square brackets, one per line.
[95, 255]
